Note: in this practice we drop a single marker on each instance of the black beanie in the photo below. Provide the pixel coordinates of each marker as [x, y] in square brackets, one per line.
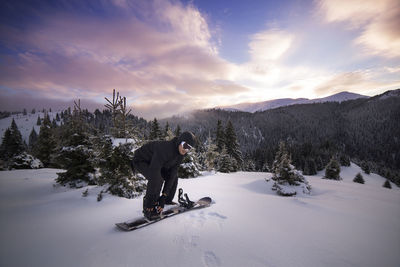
[188, 137]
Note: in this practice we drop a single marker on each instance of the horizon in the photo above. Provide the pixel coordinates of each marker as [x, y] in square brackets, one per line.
[169, 57]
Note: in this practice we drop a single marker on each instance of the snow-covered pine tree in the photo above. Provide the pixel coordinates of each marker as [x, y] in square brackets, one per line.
[333, 170]
[265, 167]
[189, 167]
[211, 155]
[281, 150]
[249, 166]
[169, 135]
[155, 132]
[359, 179]
[226, 163]
[288, 180]
[76, 152]
[232, 145]
[25, 161]
[115, 170]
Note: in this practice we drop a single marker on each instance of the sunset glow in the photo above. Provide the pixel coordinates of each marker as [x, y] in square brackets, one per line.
[169, 57]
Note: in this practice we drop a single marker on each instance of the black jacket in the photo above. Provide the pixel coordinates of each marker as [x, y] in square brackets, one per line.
[158, 161]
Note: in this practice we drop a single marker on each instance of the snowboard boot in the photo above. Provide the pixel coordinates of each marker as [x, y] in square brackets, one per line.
[151, 214]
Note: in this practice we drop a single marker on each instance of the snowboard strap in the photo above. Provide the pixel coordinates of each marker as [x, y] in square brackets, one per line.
[185, 202]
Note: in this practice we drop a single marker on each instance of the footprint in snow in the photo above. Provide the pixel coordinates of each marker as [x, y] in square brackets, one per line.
[211, 260]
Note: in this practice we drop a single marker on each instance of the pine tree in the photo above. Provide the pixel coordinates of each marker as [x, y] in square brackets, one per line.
[310, 167]
[232, 145]
[188, 167]
[344, 160]
[33, 137]
[287, 179]
[387, 184]
[155, 132]
[332, 170]
[178, 131]
[25, 112]
[281, 151]
[265, 167]
[114, 106]
[123, 115]
[249, 166]
[359, 179]
[116, 172]
[12, 143]
[166, 130]
[211, 155]
[365, 167]
[226, 163]
[220, 136]
[76, 153]
[169, 135]
[46, 144]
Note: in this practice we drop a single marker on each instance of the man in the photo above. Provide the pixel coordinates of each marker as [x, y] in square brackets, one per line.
[158, 161]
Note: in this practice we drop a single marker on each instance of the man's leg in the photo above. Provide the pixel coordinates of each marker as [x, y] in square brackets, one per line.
[171, 193]
[153, 185]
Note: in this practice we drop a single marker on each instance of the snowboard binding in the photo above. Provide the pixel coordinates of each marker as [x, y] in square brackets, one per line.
[185, 202]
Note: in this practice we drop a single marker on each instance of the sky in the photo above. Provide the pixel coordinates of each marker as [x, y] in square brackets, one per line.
[169, 57]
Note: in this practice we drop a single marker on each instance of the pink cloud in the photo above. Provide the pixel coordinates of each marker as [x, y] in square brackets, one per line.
[157, 56]
[378, 22]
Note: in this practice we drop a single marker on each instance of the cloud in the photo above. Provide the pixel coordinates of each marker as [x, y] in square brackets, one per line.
[377, 22]
[362, 81]
[269, 45]
[147, 49]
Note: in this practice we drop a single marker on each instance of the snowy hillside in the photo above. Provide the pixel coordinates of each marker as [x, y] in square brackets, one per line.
[276, 103]
[25, 123]
[339, 224]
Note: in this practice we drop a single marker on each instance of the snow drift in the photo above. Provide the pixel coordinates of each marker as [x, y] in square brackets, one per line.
[341, 223]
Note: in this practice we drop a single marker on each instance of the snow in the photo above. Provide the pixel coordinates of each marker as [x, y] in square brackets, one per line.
[341, 223]
[25, 123]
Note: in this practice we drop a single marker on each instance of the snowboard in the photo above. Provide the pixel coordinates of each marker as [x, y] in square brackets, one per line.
[143, 222]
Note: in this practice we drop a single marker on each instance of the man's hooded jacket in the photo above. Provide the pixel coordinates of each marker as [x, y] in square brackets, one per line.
[158, 161]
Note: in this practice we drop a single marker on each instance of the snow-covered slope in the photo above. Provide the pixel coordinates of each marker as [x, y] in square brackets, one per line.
[340, 224]
[271, 104]
[25, 123]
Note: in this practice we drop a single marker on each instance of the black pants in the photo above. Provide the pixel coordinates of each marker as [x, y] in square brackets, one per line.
[154, 185]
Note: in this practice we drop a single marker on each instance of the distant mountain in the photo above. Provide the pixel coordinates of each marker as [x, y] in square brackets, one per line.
[276, 103]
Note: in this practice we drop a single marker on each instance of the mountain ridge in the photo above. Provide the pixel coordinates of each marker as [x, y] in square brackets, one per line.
[276, 103]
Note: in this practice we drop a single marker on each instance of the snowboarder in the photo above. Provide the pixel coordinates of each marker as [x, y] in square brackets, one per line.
[158, 161]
